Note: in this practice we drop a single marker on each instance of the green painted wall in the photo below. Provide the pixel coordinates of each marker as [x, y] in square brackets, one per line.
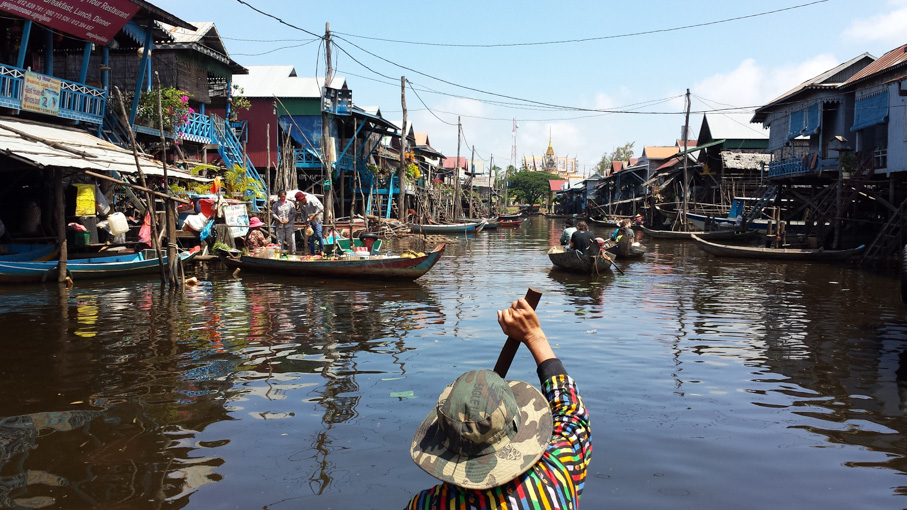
[299, 106]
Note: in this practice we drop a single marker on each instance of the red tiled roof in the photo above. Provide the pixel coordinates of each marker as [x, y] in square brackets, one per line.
[891, 59]
[668, 164]
[556, 184]
[617, 166]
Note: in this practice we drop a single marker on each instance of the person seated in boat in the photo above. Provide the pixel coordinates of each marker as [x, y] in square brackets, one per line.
[255, 239]
[569, 229]
[495, 443]
[582, 240]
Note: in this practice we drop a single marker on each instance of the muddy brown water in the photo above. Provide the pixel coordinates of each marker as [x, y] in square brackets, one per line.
[711, 383]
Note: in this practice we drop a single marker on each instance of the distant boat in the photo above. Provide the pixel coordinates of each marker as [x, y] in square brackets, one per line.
[576, 262]
[751, 252]
[90, 268]
[473, 227]
[511, 223]
[626, 248]
[373, 267]
[713, 235]
[605, 222]
[27, 252]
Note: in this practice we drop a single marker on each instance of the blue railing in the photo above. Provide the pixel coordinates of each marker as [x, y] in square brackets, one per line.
[77, 101]
[796, 166]
[306, 158]
[197, 128]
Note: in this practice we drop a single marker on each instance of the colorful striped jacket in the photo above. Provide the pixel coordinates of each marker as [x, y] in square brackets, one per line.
[555, 481]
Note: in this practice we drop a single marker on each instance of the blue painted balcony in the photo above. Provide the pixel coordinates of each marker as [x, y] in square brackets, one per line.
[196, 129]
[794, 167]
[307, 158]
[77, 101]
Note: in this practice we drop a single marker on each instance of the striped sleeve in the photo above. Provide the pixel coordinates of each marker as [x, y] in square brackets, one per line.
[571, 443]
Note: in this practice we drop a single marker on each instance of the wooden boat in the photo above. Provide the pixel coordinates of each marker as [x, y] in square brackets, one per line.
[27, 252]
[490, 223]
[375, 266]
[605, 222]
[511, 223]
[510, 217]
[90, 268]
[726, 250]
[576, 262]
[713, 235]
[626, 248]
[473, 227]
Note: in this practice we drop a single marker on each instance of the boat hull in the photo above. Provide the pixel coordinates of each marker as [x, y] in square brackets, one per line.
[83, 269]
[713, 235]
[28, 252]
[574, 262]
[750, 252]
[455, 228]
[377, 267]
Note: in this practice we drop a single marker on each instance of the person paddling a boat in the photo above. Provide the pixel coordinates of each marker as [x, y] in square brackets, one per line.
[504, 444]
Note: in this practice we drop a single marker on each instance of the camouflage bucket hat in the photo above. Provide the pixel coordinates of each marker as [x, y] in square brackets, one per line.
[483, 432]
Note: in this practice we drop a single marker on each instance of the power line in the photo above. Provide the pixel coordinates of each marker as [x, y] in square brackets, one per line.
[275, 49]
[425, 105]
[588, 39]
[294, 27]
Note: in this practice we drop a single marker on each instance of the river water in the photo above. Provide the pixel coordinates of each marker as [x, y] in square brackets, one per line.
[711, 383]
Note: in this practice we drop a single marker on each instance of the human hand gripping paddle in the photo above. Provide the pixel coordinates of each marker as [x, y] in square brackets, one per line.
[521, 325]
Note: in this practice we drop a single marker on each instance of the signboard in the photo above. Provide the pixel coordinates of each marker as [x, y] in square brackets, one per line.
[92, 20]
[237, 217]
[41, 94]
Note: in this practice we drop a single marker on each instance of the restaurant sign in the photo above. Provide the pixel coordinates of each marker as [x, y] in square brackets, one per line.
[41, 94]
[92, 20]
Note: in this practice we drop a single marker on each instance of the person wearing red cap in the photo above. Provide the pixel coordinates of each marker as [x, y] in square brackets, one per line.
[313, 210]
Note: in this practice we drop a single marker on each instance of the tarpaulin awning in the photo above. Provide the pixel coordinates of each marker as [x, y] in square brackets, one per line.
[700, 147]
[42, 145]
[812, 120]
[870, 110]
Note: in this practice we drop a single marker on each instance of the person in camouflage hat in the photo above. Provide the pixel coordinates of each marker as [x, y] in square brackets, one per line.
[504, 444]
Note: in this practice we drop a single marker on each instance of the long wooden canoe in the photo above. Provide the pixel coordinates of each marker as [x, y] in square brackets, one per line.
[726, 250]
[473, 227]
[375, 266]
[576, 262]
[81, 269]
[712, 235]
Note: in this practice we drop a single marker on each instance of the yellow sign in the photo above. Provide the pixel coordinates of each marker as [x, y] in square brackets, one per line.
[41, 94]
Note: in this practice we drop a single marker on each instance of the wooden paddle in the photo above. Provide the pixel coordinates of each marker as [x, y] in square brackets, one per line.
[512, 344]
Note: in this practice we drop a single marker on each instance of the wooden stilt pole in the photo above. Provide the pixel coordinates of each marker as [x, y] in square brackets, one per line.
[61, 224]
[170, 215]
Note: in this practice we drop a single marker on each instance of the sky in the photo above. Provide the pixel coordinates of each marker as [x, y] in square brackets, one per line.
[591, 75]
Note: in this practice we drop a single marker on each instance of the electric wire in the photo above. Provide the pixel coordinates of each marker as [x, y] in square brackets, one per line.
[588, 39]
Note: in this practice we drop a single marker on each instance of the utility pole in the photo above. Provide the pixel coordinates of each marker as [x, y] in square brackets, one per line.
[472, 185]
[457, 205]
[686, 183]
[325, 129]
[401, 173]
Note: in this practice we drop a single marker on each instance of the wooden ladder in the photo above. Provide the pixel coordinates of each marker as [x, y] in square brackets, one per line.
[889, 240]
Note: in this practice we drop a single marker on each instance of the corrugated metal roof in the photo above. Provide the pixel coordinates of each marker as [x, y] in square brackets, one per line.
[744, 160]
[99, 155]
[893, 58]
[281, 81]
[731, 126]
[185, 35]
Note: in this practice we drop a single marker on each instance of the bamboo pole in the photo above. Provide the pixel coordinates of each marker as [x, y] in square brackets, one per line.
[149, 197]
[172, 260]
[268, 181]
[401, 173]
[325, 130]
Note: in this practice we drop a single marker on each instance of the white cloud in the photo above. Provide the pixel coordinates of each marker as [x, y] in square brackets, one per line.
[751, 84]
[889, 27]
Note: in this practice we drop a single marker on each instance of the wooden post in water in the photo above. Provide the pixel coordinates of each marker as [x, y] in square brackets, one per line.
[172, 259]
[268, 180]
[149, 198]
[61, 224]
[401, 174]
[325, 130]
[457, 206]
[472, 168]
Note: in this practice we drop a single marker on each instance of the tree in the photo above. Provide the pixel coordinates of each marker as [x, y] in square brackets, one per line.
[622, 153]
[530, 187]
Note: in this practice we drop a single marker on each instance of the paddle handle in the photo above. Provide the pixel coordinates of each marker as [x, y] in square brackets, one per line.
[512, 344]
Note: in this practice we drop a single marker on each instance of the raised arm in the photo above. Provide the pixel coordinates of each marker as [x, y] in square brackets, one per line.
[520, 322]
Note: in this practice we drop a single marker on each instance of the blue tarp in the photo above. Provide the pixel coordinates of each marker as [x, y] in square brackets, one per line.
[812, 120]
[796, 124]
[305, 130]
[870, 110]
